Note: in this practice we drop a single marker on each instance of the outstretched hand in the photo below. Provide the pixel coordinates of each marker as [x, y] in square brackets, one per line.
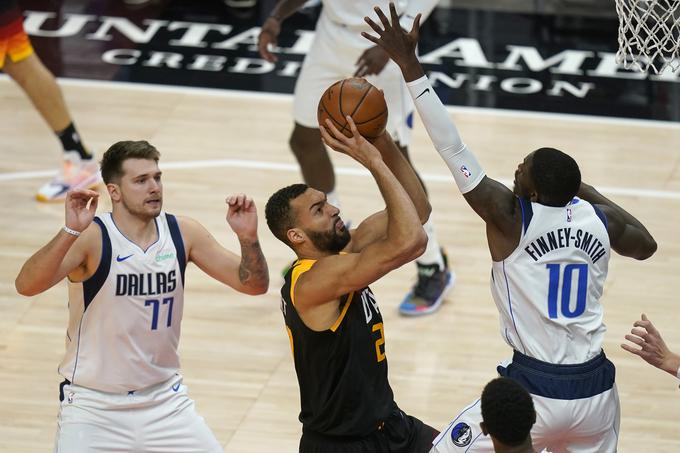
[355, 146]
[653, 349]
[242, 216]
[399, 45]
[80, 208]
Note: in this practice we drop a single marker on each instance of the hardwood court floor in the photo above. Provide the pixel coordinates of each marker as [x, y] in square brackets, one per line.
[234, 349]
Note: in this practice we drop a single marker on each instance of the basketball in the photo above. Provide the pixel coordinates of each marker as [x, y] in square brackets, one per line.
[359, 99]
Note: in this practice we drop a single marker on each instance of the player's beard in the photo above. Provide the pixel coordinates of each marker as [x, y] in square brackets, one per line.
[331, 240]
[143, 211]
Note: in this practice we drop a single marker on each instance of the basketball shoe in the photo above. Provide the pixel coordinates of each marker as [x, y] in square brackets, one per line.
[75, 173]
[427, 294]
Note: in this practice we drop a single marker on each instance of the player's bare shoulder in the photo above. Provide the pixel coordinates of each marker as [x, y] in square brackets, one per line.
[191, 230]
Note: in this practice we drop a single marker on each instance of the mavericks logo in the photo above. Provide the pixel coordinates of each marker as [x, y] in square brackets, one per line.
[461, 434]
[164, 256]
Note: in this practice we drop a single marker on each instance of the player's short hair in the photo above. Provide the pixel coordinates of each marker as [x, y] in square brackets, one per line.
[556, 176]
[112, 161]
[279, 215]
[507, 411]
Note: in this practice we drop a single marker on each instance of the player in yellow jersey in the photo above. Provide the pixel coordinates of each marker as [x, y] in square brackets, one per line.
[333, 320]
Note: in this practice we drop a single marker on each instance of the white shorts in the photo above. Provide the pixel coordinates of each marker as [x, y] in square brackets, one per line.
[159, 419]
[332, 57]
[580, 425]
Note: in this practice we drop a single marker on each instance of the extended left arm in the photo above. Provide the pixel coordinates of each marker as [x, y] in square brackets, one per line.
[373, 60]
[375, 226]
[248, 273]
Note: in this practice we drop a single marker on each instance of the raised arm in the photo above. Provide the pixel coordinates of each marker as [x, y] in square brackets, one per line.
[68, 252]
[271, 28]
[404, 240]
[373, 60]
[491, 200]
[375, 227]
[248, 273]
[627, 235]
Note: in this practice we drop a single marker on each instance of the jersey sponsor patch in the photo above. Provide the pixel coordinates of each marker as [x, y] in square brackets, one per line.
[162, 256]
[461, 434]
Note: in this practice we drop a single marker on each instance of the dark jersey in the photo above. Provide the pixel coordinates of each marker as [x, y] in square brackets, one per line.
[342, 371]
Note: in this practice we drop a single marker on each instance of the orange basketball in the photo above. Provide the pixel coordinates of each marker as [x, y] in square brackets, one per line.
[360, 100]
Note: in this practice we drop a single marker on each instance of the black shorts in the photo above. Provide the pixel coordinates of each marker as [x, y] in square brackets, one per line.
[399, 433]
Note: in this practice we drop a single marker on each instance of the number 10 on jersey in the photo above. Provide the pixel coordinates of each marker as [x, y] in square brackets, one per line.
[565, 276]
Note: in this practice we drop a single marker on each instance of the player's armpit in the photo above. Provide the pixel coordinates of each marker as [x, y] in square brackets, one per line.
[373, 228]
[495, 204]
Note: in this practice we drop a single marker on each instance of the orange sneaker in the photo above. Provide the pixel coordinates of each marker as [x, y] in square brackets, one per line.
[75, 173]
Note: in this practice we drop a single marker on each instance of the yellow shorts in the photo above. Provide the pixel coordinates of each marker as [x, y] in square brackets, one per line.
[13, 39]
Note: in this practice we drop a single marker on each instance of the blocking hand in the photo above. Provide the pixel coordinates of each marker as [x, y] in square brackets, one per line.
[399, 45]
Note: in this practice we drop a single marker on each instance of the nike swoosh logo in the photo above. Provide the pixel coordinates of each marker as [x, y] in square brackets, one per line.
[176, 387]
[427, 90]
[119, 258]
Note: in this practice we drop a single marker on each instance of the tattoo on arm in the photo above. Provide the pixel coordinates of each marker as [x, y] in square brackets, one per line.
[253, 268]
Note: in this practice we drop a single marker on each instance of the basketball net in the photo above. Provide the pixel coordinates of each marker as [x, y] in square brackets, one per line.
[649, 35]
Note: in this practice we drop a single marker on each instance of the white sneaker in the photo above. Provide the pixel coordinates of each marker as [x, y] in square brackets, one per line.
[75, 173]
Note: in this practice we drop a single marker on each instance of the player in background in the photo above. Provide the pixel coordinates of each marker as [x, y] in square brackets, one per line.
[550, 240]
[17, 59]
[122, 390]
[507, 416]
[335, 327]
[338, 52]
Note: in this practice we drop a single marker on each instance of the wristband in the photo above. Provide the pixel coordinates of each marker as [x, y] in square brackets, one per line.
[70, 231]
[678, 373]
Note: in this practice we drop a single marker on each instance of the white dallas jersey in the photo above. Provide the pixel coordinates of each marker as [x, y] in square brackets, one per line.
[547, 291]
[124, 321]
[351, 13]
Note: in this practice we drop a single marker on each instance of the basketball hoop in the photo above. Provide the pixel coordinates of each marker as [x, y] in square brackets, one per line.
[649, 33]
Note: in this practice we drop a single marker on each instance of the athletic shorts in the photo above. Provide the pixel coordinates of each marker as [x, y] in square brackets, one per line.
[400, 433]
[577, 409]
[333, 55]
[13, 39]
[159, 419]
